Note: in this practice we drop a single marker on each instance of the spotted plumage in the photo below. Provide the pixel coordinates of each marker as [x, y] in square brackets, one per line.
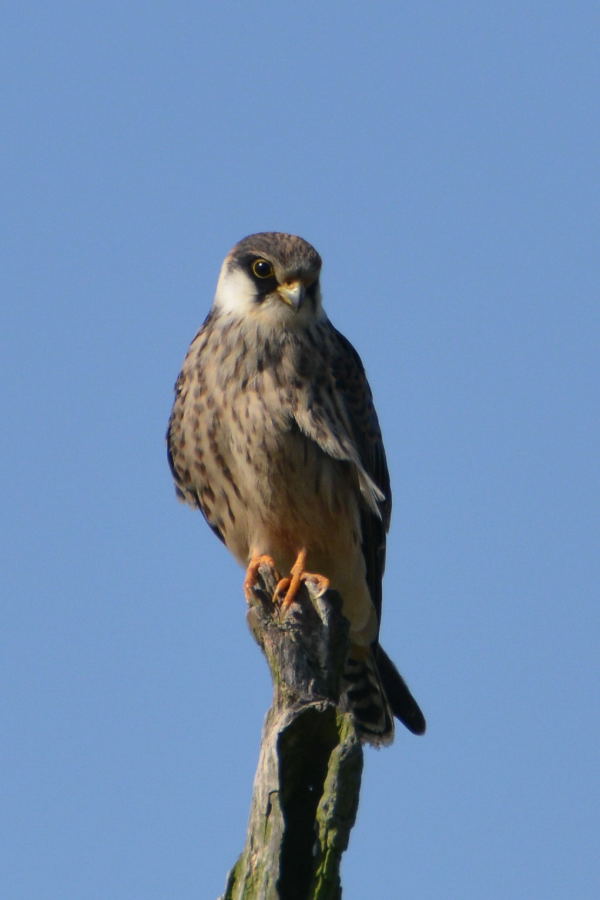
[274, 437]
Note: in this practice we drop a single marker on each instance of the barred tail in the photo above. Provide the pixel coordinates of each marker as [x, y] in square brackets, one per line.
[374, 692]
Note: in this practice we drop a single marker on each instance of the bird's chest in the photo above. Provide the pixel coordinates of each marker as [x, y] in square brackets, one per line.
[272, 459]
[252, 468]
[276, 472]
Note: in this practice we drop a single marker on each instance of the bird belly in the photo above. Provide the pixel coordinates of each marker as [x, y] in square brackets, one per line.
[294, 496]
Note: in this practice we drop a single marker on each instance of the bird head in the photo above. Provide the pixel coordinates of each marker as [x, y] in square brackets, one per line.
[273, 279]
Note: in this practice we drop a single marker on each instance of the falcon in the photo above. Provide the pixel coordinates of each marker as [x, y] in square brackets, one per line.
[274, 437]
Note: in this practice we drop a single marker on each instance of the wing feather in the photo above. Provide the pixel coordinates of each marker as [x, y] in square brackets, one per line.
[349, 430]
[353, 387]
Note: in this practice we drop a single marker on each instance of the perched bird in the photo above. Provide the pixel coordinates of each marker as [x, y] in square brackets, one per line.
[273, 435]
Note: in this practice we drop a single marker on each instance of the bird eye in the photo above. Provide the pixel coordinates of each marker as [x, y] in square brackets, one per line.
[262, 268]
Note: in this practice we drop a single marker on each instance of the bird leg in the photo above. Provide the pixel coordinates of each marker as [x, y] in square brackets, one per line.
[252, 573]
[291, 584]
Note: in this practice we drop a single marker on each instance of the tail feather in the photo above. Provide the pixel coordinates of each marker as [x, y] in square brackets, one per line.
[403, 704]
[374, 692]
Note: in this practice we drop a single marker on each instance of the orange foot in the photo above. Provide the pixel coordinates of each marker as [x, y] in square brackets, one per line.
[252, 573]
[291, 585]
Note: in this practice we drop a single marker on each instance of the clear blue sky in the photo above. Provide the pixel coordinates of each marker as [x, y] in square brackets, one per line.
[444, 159]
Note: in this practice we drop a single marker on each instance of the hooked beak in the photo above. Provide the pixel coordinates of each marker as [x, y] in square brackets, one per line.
[292, 293]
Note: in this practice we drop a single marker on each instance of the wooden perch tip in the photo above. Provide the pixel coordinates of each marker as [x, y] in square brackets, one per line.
[307, 783]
